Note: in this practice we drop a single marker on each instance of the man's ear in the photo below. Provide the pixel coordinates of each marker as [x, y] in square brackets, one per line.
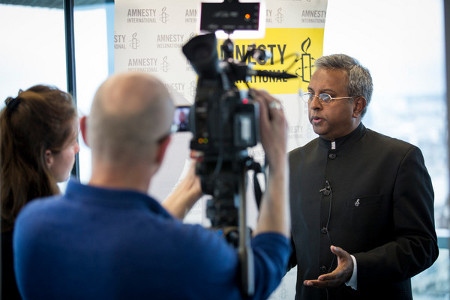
[83, 129]
[162, 148]
[360, 103]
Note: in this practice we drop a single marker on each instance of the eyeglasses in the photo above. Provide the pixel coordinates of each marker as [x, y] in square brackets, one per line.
[323, 97]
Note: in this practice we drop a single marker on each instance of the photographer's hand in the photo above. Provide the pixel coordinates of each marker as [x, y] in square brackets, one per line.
[185, 194]
[274, 214]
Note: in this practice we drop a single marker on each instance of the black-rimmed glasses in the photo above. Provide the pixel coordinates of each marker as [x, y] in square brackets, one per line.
[323, 97]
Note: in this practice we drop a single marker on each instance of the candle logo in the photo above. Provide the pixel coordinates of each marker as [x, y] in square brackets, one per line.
[279, 15]
[164, 16]
[134, 41]
[165, 64]
[305, 70]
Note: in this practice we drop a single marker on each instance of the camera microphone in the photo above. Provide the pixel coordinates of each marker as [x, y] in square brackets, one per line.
[282, 75]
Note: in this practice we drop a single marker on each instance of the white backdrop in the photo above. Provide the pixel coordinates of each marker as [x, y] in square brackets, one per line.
[148, 37]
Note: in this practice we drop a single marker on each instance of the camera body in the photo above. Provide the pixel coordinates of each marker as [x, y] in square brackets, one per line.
[224, 123]
[223, 119]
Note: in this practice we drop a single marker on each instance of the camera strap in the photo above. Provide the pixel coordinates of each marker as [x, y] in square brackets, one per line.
[257, 169]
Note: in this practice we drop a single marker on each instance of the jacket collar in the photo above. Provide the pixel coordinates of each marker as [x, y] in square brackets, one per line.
[344, 141]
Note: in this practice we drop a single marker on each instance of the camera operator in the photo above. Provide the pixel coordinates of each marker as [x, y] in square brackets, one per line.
[109, 240]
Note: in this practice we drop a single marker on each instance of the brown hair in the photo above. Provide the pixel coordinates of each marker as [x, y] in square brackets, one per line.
[38, 119]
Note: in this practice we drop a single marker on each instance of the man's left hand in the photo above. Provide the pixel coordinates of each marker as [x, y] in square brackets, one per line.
[339, 276]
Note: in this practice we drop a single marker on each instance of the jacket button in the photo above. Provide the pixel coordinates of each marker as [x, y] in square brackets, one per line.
[324, 230]
[332, 155]
[323, 269]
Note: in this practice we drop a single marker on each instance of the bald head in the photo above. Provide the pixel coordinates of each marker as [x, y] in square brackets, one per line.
[130, 113]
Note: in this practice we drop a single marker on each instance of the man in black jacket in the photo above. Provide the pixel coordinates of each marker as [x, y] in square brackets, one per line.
[361, 202]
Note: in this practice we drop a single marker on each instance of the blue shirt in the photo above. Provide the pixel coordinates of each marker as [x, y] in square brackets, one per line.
[96, 243]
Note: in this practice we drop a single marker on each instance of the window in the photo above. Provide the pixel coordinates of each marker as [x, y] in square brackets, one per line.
[402, 43]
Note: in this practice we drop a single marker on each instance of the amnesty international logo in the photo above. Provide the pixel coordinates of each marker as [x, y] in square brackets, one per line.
[143, 64]
[190, 16]
[119, 41]
[164, 16]
[192, 88]
[170, 40]
[279, 15]
[147, 15]
[291, 50]
[165, 65]
[134, 44]
[313, 16]
[274, 16]
[305, 69]
[141, 15]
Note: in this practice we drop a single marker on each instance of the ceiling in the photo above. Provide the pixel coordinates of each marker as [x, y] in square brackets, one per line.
[53, 3]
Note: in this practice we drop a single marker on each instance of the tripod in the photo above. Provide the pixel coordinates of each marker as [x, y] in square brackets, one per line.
[228, 213]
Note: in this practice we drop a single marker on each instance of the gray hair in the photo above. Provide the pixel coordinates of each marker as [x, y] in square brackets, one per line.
[359, 79]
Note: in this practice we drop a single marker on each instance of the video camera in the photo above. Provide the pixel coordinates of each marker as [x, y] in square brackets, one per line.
[224, 121]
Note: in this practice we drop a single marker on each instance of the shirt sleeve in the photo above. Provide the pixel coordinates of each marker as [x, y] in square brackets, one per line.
[353, 281]
[271, 253]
